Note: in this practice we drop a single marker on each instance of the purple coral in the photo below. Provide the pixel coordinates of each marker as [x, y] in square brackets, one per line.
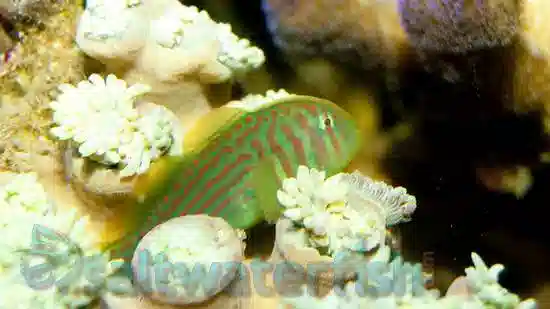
[458, 26]
[344, 30]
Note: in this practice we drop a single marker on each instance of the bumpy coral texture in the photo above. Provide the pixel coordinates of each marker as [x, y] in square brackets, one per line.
[344, 212]
[28, 80]
[354, 32]
[30, 221]
[99, 117]
[459, 25]
[399, 285]
[195, 240]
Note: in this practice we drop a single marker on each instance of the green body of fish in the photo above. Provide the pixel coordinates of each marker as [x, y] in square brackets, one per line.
[240, 162]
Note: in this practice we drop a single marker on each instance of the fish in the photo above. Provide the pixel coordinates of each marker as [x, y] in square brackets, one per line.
[235, 159]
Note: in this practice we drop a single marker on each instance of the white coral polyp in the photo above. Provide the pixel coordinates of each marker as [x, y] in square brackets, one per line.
[99, 117]
[26, 212]
[182, 27]
[238, 54]
[184, 244]
[105, 20]
[483, 281]
[406, 291]
[396, 204]
[34, 199]
[253, 102]
[186, 27]
[323, 206]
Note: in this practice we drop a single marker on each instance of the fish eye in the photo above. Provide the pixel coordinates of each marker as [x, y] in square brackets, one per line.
[325, 121]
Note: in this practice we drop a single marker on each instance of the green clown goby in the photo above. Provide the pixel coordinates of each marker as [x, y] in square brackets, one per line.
[233, 170]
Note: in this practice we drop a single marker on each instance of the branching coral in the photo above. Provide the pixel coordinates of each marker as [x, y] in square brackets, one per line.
[38, 233]
[195, 50]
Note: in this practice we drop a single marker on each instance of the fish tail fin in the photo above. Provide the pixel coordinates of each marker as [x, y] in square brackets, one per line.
[123, 250]
[152, 179]
[122, 243]
[265, 183]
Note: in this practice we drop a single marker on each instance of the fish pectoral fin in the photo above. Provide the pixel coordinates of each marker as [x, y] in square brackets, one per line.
[265, 183]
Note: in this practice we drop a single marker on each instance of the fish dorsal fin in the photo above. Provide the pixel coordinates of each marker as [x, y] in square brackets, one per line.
[261, 103]
[208, 126]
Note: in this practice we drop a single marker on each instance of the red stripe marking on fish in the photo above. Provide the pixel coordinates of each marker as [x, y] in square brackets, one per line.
[205, 167]
[258, 147]
[230, 197]
[202, 172]
[238, 142]
[310, 108]
[241, 139]
[274, 145]
[182, 194]
[318, 144]
[296, 144]
[228, 168]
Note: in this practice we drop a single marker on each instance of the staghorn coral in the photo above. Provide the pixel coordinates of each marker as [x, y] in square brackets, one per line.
[196, 51]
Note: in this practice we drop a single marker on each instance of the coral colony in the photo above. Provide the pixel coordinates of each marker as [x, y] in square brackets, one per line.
[332, 227]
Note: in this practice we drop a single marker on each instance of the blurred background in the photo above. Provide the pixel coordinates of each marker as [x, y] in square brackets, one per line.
[451, 99]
